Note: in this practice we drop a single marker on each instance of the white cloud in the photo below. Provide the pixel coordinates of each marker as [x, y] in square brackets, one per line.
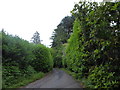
[24, 17]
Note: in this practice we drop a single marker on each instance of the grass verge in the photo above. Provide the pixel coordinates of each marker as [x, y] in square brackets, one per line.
[26, 81]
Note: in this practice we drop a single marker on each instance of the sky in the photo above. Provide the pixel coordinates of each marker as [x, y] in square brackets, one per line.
[24, 17]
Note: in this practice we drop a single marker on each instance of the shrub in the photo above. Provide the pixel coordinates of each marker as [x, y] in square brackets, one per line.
[10, 75]
[22, 59]
[43, 59]
[100, 77]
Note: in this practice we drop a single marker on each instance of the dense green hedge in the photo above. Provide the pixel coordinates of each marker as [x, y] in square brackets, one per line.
[22, 59]
[57, 55]
[43, 59]
[93, 48]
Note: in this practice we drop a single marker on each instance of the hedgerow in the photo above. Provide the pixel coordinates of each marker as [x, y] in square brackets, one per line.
[93, 48]
[21, 59]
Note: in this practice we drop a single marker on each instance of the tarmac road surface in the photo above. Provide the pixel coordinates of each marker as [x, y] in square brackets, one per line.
[55, 79]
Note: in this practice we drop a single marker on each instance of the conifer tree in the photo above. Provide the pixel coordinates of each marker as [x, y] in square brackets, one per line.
[36, 38]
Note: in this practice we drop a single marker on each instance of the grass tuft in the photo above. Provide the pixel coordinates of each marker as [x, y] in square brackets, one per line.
[25, 81]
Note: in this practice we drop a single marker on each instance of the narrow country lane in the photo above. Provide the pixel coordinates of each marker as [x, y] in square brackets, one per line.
[56, 79]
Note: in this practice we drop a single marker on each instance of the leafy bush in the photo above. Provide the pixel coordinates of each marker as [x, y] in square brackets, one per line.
[43, 59]
[10, 75]
[95, 42]
[100, 77]
[58, 56]
[16, 51]
[60, 36]
[21, 59]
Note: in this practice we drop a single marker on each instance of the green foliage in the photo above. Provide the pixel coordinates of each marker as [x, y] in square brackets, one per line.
[10, 75]
[63, 31]
[93, 48]
[15, 51]
[26, 80]
[60, 37]
[43, 59]
[58, 56]
[100, 77]
[21, 59]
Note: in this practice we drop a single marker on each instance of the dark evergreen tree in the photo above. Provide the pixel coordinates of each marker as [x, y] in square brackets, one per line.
[36, 38]
[60, 37]
[63, 31]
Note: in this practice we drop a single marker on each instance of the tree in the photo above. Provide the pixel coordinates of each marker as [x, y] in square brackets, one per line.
[63, 31]
[36, 38]
[60, 36]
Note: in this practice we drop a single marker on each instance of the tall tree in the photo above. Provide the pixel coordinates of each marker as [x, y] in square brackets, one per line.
[36, 38]
[63, 31]
[60, 36]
